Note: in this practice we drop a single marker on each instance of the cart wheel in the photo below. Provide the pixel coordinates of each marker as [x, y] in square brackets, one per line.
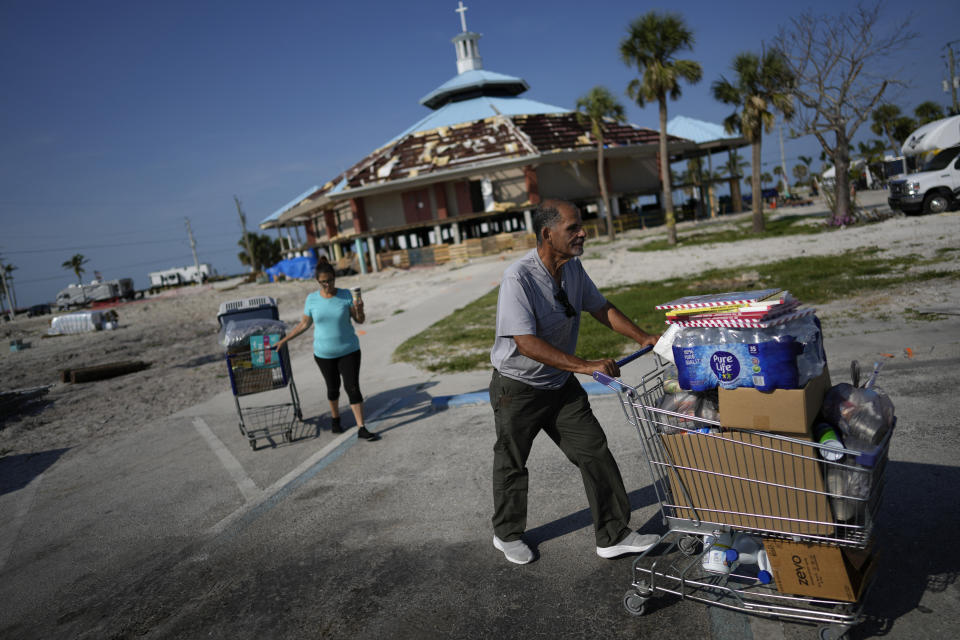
[688, 545]
[634, 603]
[833, 632]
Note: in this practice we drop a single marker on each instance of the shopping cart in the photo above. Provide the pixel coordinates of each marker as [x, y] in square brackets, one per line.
[711, 481]
[255, 366]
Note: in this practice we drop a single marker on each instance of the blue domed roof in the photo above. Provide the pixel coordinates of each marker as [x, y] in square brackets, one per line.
[470, 84]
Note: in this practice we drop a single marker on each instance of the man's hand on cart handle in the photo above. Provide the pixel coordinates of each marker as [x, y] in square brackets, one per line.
[607, 366]
[605, 377]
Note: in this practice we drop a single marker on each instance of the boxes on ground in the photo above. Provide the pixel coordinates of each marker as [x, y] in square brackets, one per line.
[786, 411]
[819, 570]
[748, 481]
[504, 241]
[523, 240]
[459, 254]
[489, 245]
[441, 253]
[474, 247]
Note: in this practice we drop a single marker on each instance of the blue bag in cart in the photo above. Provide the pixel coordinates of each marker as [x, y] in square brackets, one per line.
[706, 360]
[261, 355]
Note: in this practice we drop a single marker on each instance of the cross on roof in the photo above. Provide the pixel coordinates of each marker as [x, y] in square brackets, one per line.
[462, 10]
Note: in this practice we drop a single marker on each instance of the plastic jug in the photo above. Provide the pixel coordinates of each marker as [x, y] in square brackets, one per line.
[715, 556]
[749, 550]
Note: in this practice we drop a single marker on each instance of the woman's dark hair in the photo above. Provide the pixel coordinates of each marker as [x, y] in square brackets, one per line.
[323, 268]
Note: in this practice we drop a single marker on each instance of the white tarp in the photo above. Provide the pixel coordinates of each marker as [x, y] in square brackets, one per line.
[933, 136]
[80, 322]
[831, 173]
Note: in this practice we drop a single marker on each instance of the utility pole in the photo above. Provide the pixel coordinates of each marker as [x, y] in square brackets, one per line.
[243, 225]
[783, 164]
[952, 78]
[6, 291]
[193, 247]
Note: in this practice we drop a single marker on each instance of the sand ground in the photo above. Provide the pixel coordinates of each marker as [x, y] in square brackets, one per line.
[176, 332]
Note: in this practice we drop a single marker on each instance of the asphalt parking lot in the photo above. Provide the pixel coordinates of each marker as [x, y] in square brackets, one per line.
[181, 530]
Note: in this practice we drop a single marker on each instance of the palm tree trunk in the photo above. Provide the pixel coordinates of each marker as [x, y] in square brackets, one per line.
[607, 212]
[841, 163]
[758, 222]
[668, 215]
[736, 201]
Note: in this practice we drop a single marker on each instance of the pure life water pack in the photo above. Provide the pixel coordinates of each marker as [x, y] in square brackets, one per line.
[766, 359]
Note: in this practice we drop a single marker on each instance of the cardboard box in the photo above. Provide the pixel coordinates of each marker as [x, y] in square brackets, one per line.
[787, 411]
[819, 570]
[748, 481]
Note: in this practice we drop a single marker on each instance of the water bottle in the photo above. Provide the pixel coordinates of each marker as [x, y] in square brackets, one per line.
[830, 446]
[749, 550]
[715, 557]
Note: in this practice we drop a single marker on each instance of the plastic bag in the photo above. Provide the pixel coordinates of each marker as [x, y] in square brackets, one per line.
[698, 405]
[851, 487]
[238, 332]
[683, 402]
[864, 416]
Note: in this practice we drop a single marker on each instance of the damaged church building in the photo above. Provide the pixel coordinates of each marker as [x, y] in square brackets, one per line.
[463, 181]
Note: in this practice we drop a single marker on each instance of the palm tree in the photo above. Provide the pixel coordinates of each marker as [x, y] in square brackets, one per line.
[733, 167]
[651, 45]
[889, 122]
[800, 173]
[266, 251]
[763, 86]
[75, 264]
[928, 112]
[596, 107]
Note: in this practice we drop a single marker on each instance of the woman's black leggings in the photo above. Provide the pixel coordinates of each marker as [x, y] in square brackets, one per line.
[346, 367]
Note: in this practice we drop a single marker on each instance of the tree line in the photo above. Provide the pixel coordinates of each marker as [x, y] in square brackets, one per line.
[824, 74]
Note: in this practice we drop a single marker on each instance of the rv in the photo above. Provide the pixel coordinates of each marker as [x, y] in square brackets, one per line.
[80, 295]
[181, 275]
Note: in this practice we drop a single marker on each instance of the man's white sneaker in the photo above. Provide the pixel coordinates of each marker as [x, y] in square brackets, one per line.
[517, 551]
[633, 543]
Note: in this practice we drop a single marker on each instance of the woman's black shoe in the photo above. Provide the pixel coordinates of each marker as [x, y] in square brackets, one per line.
[335, 425]
[366, 435]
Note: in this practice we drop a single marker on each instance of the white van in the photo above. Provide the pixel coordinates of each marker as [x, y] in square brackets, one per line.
[934, 189]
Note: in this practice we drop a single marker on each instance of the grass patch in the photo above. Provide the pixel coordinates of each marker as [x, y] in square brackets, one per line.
[783, 226]
[396, 311]
[462, 340]
[913, 314]
[459, 342]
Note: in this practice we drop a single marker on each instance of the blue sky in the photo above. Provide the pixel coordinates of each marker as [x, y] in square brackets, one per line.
[120, 119]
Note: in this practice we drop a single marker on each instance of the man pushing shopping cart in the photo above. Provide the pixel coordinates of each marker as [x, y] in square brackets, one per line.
[533, 389]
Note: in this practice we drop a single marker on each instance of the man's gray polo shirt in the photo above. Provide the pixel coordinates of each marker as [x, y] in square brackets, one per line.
[527, 305]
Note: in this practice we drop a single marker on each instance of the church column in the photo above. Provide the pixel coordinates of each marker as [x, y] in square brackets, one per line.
[530, 182]
[330, 222]
[486, 190]
[358, 249]
[455, 231]
[359, 215]
[528, 220]
[372, 248]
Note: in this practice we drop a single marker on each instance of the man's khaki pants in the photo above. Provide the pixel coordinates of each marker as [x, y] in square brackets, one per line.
[520, 413]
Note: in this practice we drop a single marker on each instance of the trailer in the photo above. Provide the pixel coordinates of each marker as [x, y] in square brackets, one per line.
[80, 295]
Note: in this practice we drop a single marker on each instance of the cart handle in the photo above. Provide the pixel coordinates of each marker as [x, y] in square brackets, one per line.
[603, 378]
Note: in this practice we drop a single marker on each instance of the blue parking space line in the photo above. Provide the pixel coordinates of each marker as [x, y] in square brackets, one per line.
[482, 397]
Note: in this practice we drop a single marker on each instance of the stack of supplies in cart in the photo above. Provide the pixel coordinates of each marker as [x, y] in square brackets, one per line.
[759, 309]
[762, 339]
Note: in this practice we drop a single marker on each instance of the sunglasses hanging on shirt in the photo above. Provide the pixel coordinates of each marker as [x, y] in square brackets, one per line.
[568, 309]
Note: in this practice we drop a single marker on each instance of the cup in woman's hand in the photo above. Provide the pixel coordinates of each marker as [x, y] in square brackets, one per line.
[355, 292]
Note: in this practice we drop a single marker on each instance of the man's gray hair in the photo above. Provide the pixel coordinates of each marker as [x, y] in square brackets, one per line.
[547, 214]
